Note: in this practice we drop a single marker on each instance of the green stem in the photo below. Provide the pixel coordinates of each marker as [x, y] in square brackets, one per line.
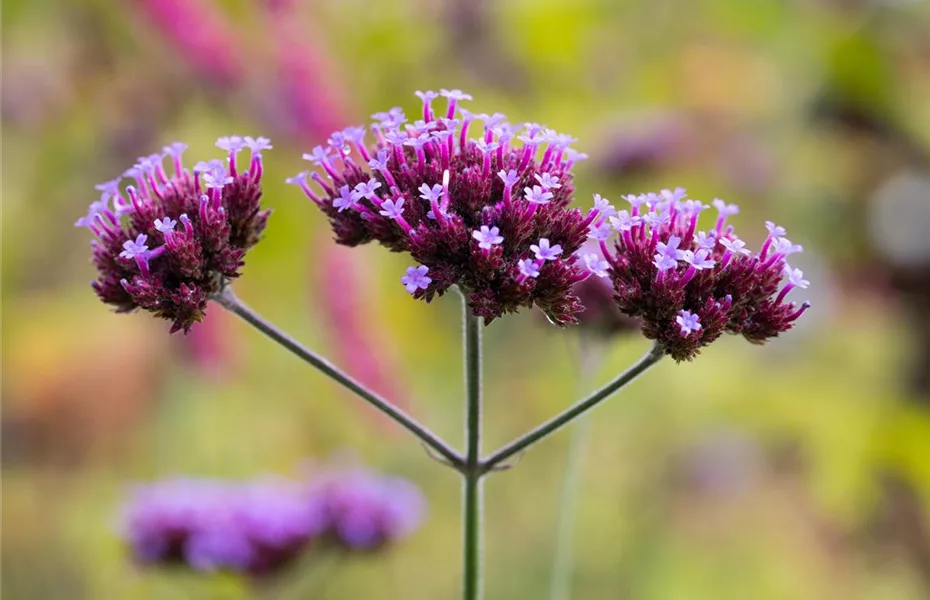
[228, 300]
[472, 489]
[564, 418]
[563, 563]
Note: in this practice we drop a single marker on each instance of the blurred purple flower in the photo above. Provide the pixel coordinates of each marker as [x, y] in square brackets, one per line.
[259, 527]
[365, 510]
[644, 145]
[208, 344]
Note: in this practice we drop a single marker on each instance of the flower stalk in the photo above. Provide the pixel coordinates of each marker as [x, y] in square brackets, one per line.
[228, 300]
[472, 492]
[576, 410]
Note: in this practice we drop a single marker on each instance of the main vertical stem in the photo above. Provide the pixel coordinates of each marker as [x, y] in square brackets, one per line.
[472, 492]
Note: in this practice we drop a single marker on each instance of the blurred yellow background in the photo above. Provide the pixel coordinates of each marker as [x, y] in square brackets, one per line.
[799, 470]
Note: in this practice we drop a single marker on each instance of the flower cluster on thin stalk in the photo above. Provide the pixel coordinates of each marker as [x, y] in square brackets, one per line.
[166, 243]
[475, 201]
[688, 286]
[259, 527]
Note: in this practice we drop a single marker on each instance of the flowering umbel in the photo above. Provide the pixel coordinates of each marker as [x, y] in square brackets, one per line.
[259, 527]
[167, 243]
[687, 286]
[488, 214]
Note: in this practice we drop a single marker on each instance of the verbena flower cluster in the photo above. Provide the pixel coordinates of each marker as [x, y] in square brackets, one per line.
[167, 243]
[488, 213]
[688, 286]
[259, 527]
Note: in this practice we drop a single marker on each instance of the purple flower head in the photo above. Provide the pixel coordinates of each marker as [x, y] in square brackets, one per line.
[735, 246]
[601, 232]
[132, 249]
[174, 281]
[392, 209]
[537, 195]
[725, 209]
[508, 177]
[380, 162]
[416, 279]
[457, 95]
[796, 277]
[110, 188]
[487, 237]
[603, 207]
[705, 240]
[356, 135]
[217, 178]
[544, 251]
[367, 189]
[366, 511]
[679, 282]
[394, 116]
[458, 177]
[699, 260]
[211, 525]
[664, 262]
[596, 265]
[347, 198]
[784, 247]
[774, 230]
[318, 155]
[635, 200]
[670, 248]
[175, 149]
[624, 222]
[656, 220]
[299, 179]
[232, 144]
[165, 225]
[688, 322]
[261, 526]
[430, 194]
[547, 181]
[427, 96]
[528, 267]
[100, 207]
[256, 145]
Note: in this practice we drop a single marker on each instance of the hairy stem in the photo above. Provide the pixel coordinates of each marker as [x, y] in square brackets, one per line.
[228, 300]
[472, 488]
[582, 406]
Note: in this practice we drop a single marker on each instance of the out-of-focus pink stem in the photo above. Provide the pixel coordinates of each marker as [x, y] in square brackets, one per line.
[209, 345]
[200, 35]
[308, 86]
[354, 333]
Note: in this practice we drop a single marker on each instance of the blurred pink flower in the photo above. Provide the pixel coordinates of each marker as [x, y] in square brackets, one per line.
[200, 34]
[308, 93]
[210, 347]
[354, 335]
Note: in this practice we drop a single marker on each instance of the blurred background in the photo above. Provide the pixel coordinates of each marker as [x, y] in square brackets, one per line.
[798, 470]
